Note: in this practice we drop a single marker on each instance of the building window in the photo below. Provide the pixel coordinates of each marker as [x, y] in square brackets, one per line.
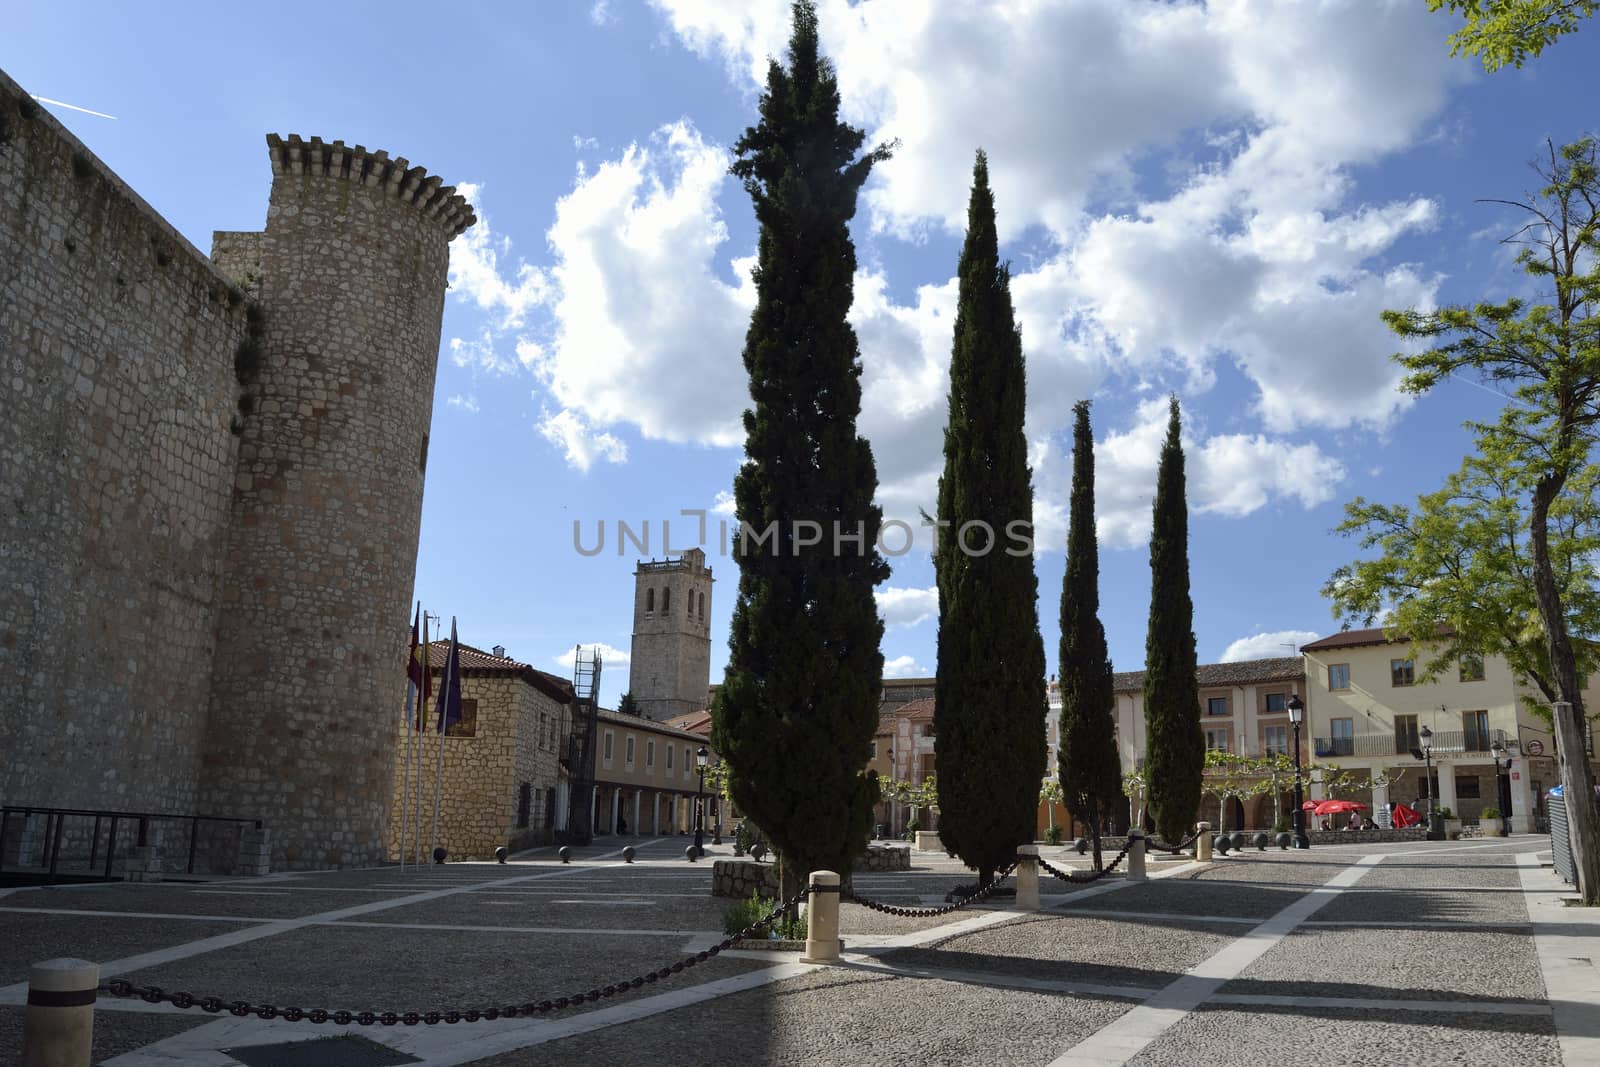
[468, 726]
[649, 601]
[1275, 741]
[666, 601]
[688, 762]
[669, 757]
[1475, 731]
[1344, 737]
[1216, 705]
[1338, 676]
[1277, 702]
[627, 752]
[524, 805]
[650, 756]
[702, 607]
[874, 754]
[605, 748]
[1406, 737]
[1402, 672]
[1467, 787]
[1471, 668]
[929, 730]
[1216, 740]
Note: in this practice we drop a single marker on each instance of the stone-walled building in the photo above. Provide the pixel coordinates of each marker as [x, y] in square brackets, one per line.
[669, 673]
[213, 483]
[500, 774]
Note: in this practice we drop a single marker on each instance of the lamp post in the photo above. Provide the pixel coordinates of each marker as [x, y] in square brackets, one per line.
[1297, 712]
[700, 759]
[1502, 784]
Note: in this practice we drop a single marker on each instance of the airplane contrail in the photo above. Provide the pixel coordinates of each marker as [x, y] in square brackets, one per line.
[73, 107]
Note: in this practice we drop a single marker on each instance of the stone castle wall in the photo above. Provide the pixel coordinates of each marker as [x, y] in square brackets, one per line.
[211, 487]
[117, 345]
[478, 809]
[327, 502]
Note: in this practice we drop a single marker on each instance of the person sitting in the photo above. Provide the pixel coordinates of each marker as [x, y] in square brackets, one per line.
[1327, 824]
[1355, 821]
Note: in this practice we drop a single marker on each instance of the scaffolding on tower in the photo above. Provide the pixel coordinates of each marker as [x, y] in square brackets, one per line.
[581, 747]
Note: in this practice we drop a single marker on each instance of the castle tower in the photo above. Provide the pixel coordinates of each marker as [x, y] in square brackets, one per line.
[670, 672]
[314, 610]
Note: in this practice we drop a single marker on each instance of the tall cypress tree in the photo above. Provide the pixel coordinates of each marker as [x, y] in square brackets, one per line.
[1091, 770]
[990, 706]
[1175, 751]
[799, 704]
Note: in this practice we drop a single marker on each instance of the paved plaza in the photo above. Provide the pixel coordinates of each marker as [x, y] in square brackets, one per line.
[1428, 952]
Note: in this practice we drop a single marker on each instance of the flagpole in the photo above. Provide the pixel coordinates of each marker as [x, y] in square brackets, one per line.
[444, 698]
[413, 693]
[422, 717]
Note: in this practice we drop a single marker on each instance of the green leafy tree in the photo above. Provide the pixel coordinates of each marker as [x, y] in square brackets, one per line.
[1090, 767]
[799, 704]
[989, 707]
[1229, 776]
[1176, 745]
[626, 705]
[1511, 31]
[1533, 475]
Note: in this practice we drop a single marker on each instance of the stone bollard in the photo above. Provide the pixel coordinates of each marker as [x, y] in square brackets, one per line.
[1027, 878]
[1202, 843]
[255, 851]
[1136, 855]
[58, 1026]
[822, 919]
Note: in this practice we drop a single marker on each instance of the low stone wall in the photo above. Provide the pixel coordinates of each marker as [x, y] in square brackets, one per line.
[1362, 837]
[885, 858]
[740, 878]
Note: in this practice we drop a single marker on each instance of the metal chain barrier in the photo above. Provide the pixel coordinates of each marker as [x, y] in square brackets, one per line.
[919, 913]
[1182, 846]
[121, 987]
[1092, 876]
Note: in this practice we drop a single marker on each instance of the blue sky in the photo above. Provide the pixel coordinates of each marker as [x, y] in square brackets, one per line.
[1215, 200]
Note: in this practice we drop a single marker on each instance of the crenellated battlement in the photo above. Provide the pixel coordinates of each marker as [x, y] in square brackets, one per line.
[396, 177]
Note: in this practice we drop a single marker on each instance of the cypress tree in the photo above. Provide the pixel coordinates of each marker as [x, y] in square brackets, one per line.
[1175, 746]
[799, 704]
[990, 707]
[1091, 770]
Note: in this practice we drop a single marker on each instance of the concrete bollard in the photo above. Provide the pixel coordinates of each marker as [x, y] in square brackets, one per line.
[1027, 878]
[1202, 843]
[822, 919]
[58, 1027]
[1136, 855]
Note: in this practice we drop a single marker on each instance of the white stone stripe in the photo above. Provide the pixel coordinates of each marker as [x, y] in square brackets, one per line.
[1568, 961]
[11, 994]
[1119, 1042]
[183, 917]
[1442, 1007]
[1003, 981]
[1155, 916]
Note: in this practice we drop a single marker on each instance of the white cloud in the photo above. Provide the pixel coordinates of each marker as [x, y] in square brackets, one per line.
[901, 607]
[600, 13]
[1228, 474]
[1268, 645]
[581, 445]
[903, 667]
[646, 330]
[610, 655]
[1255, 111]
[476, 272]
[469, 404]
[480, 355]
[724, 504]
[580, 143]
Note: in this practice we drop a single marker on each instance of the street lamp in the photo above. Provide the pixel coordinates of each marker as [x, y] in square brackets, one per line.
[700, 760]
[1502, 783]
[1425, 754]
[1297, 712]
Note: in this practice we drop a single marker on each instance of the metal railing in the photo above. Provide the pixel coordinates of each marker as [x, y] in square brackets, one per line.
[67, 831]
[1443, 743]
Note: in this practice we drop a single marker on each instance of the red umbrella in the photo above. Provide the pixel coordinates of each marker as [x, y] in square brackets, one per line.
[1310, 805]
[1338, 807]
[1406, 816]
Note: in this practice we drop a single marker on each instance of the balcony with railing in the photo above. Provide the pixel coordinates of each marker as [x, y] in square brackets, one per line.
[1443, 743]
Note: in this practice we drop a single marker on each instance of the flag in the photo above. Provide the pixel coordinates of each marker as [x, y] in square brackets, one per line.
[449, 708]
[421, 664]
[414, 671]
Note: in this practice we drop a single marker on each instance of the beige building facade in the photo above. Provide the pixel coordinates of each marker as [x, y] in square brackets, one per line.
[647, 780]
[500, 782]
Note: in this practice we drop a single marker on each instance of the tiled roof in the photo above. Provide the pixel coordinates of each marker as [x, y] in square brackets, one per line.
[1244, 672]
[1357, 638]
[477, 661]
[694, 722]
[641, 723]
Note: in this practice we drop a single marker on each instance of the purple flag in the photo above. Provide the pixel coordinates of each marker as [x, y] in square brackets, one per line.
[449, 707]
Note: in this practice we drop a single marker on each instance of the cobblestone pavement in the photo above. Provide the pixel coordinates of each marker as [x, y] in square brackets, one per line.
[1408, 953]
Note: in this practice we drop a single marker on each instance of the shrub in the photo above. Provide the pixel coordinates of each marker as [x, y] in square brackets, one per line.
[1490, 813]
[1281, 826]
[742, 913]
[1052, 836]
[1444, 812]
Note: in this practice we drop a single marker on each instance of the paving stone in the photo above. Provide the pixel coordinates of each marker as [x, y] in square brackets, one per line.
[115, 1032]
[32, 938]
